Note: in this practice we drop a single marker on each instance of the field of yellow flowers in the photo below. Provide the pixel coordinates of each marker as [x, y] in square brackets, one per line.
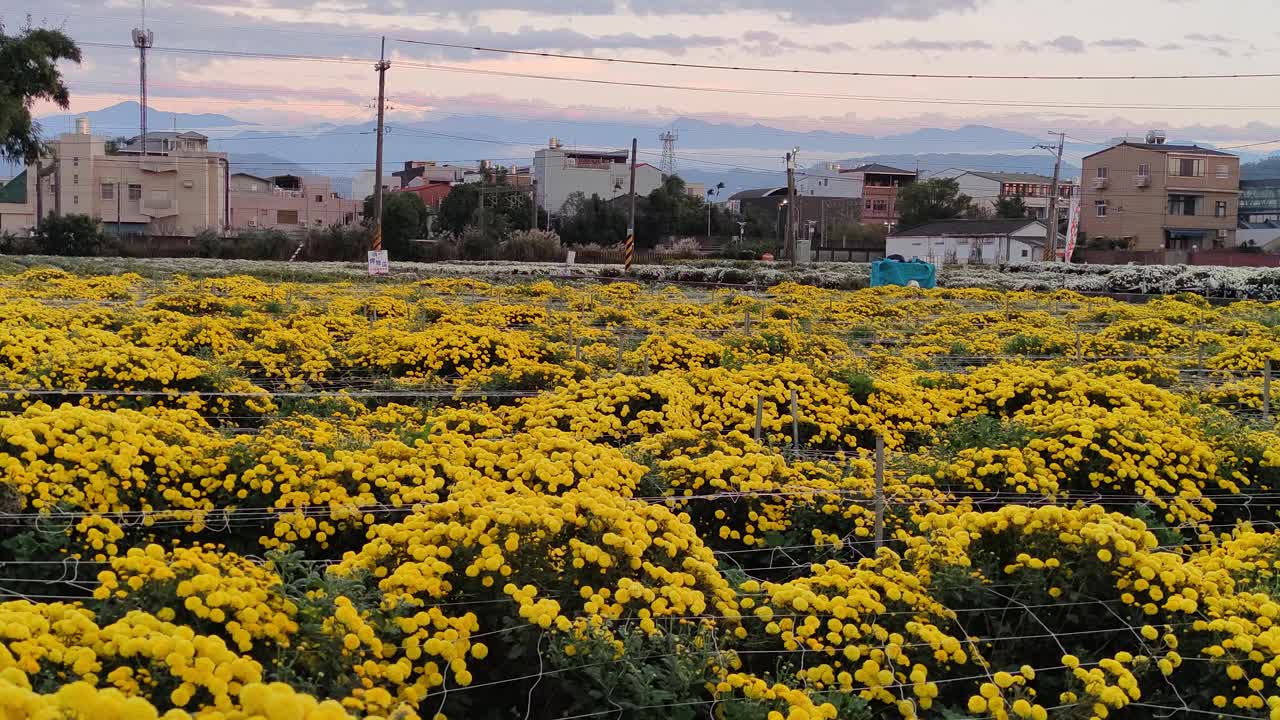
[230, 499]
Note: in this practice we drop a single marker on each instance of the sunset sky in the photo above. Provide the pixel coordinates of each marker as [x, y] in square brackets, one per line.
[947, 36]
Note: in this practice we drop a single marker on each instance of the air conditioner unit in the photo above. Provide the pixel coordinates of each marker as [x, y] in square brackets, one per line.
[1222, 232]
[1099, 183]
[1142, 181]
[253, 222]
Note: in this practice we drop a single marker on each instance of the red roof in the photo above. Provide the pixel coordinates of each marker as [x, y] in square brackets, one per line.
[432, 194]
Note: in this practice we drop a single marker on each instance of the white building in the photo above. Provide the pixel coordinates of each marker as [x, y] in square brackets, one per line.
[986, 188]
[560, 173]
[827, 180]
[979, 242]
[362, 184]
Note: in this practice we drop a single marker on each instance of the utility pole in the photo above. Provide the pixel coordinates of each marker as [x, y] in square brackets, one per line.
[381, 67]
[143, 39]
[630, 248]
[790, 244]
[1052, 244]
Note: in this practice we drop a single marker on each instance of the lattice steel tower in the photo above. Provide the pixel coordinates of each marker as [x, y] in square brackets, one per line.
[668, 139]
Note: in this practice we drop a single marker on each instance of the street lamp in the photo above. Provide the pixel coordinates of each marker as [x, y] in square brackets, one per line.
[777, 236]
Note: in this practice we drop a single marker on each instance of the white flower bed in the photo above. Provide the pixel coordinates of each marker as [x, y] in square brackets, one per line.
[1221, 282]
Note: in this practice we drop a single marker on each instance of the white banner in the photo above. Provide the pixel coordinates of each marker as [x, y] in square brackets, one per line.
[1073, 227]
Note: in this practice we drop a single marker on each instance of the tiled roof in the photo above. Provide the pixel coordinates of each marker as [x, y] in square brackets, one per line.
[969, 228]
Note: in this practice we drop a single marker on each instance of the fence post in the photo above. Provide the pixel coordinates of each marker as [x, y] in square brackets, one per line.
[1079, 349]
[1266, 389]
[647, 368]
[746, 321]
[879, 496]
[576, 356]
[795, 423]
[759, 416]
[618, 362]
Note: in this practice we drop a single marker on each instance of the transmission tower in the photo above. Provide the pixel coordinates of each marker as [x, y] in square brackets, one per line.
[143, 39]
[668, 139]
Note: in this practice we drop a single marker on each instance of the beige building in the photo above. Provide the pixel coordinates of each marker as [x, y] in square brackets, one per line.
[18, 204]
[288, 202]
[176, 188]
[1158, 196]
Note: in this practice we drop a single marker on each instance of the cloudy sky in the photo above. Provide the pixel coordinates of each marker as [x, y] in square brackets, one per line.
[1102, 37]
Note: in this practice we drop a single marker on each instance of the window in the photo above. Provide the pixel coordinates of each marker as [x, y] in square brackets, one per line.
[135, 192]
[879, 206]
[1220, 208]
[75, 199]
[108, 191]
[1144, 169]
[319, 198]
[188, 184]
[1102, 172]
[868, 207]
[75, 179]
[1186, 167]
[75, 162]
[286, 217]
[1223, 172]
[1024, 252]
[1100, 206]
[1182, 204]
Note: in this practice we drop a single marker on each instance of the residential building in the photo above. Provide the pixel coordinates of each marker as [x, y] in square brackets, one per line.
[988, 188]
[878, 185]
[177, 188]
[432, 194]
[18, 203]
[696, 190]
[1263, 235]
[827, 180]
[1260, 200]
[971, 242]
[1160, 196]
[362, 184]
[429, 171]
[559, 172]
[289, 202]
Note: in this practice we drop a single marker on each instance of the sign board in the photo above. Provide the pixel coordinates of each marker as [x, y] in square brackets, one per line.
[1073, 228]
[378, 263]
[570, 257]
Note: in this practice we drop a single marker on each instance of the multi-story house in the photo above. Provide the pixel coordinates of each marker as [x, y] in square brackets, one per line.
[878, 185]
[559, 172]
[176, 188]
[1260, 200]
[289, 202]
[18, 203]
[430, 172]
[1159, 196]
[827, 180]
[988, 188]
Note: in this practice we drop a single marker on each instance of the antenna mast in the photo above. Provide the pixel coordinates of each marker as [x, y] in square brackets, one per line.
[143, 39]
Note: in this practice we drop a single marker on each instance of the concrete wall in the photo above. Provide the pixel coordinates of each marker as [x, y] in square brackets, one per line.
[20, 218]
[985, 250]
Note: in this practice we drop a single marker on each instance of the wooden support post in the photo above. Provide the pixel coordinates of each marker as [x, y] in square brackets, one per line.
[879, 496]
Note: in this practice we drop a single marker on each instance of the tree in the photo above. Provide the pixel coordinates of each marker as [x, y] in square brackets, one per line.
[590, 220]
[934, 199]
[459, 207]
[30, 62]
[1011, 206]
[404, 218]
[69, 235]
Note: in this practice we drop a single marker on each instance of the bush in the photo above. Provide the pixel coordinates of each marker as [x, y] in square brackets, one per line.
[533, 246]
[251, 245]
[476, 245]
[336, 242]
[11, 244]
[70, 235]
[682, 249]
[593, 254]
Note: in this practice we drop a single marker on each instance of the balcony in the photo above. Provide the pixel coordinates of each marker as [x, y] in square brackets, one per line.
[1142, 181]
[1100, 183]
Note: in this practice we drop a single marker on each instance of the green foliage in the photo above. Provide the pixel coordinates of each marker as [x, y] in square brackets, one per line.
[982, 431]
[30, 61]
[11, 244]
[856, 236]
[1011, 206]
[70, 235]
[591, 220]
[253, 244]
[337, 242]
[861, 386]
[508, 210]
[404, 219]
[933, 199]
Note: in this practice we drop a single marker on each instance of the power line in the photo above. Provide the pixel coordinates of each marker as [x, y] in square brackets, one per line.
[707, 89]
[837, 73]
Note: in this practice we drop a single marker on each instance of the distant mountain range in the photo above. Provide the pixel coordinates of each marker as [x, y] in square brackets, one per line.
[740, 156]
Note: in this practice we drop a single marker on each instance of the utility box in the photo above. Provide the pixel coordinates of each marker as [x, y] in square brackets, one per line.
[804, 251]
